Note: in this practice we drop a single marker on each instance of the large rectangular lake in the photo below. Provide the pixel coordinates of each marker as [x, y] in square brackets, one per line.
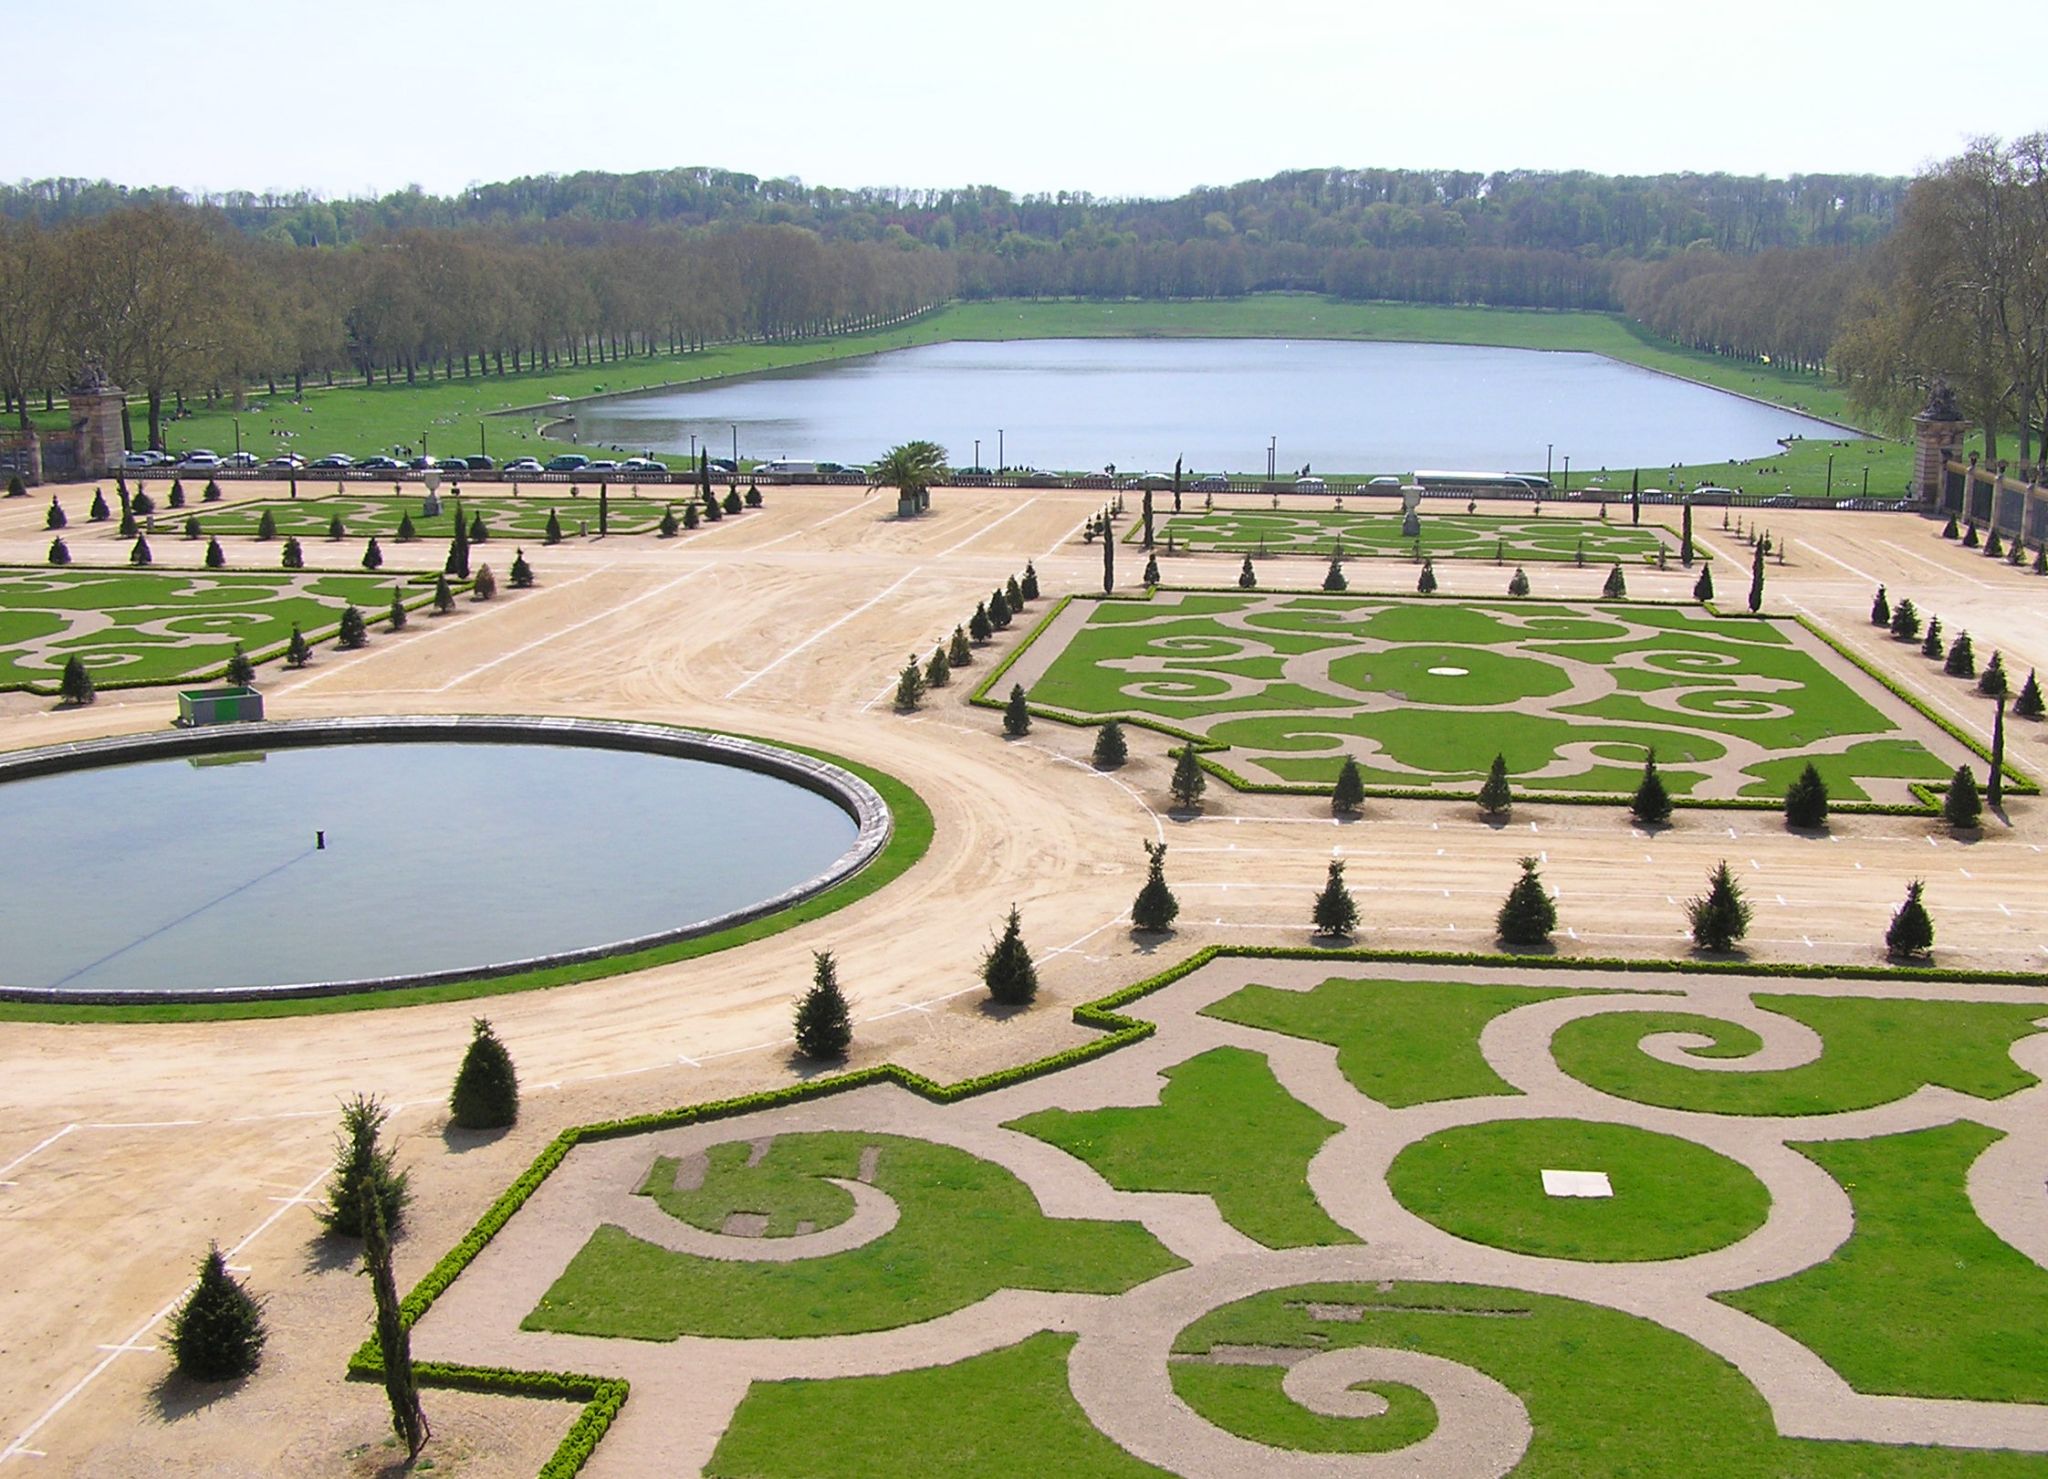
[1338, 406]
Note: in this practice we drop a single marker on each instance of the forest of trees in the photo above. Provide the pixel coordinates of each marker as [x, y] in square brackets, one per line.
[1854, 275]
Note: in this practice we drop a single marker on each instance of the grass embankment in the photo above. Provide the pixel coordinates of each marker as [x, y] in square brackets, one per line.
[454, 418]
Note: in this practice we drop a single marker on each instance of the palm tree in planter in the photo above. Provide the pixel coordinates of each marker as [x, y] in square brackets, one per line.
[910, 468]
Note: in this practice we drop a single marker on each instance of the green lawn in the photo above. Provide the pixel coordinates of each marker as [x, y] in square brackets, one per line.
[1256, 1174]
[1007, 1412]
[1607, 1393]
[1874, 1051]
[1672, 1198]
[458, 417]
[1398, 1042]
[781, 1188]
[1249, 1401]
[966, 1228]
[1424, 693]
[1442, 536]
[164, 626]
[1923, 1300]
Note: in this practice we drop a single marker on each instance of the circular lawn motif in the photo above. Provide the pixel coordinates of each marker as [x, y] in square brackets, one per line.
[1672, 1198]
[1449, 675]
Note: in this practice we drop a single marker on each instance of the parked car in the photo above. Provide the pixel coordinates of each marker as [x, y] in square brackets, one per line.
[380, 464]
[851, 471]
[478, 463]
[1311, 485]
[338, 460]
[1711, 494]
[602, 464]
[523, 464]
[1154, 481]
[239, 459]
[1215, 482]
[200, 459]
[568, 462]
[286, 462]
[724, 464]
[1385, 481]
[643, 464]
[453, 464]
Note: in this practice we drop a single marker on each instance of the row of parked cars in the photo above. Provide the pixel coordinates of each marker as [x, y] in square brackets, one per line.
[202, 460]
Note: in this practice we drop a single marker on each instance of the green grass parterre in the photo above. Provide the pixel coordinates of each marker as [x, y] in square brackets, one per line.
[1442, 536]
[163, 626]
[1423, 693]
[523, 519]
[1607, 1392]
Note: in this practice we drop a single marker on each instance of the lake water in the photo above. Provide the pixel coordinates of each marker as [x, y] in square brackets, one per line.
[176, 874]
[1080, 404]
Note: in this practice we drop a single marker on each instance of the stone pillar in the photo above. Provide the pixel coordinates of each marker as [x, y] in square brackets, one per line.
[96, 423]
[1935, 440]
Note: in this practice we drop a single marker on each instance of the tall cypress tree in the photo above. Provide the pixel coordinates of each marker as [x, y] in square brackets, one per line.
[457, 563]
[1108, 558]
[1880, 609]
[1703, 588]
[1994, 780]
[1188, 781]
[1685, 536]
[1148, 518]
[1756, 579]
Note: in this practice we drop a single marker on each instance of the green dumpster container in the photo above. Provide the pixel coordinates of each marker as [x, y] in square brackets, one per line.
[197, 706]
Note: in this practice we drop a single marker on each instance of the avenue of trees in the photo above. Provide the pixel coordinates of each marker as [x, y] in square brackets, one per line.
[174, 303]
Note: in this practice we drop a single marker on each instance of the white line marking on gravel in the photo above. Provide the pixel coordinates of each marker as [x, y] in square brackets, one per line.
[745, 683]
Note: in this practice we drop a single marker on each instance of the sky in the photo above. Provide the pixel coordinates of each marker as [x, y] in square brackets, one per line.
[1113, 97]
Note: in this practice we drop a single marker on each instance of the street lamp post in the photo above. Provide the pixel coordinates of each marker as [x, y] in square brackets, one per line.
[1001, 460]
[1567, 472]
[1272, 456]
[1547, 447]
[735, 450]
[693, 449]
[977, 454]
[238, 438]
[1831, 475]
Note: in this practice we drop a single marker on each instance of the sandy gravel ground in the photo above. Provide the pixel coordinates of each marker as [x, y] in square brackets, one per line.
[123, 1149]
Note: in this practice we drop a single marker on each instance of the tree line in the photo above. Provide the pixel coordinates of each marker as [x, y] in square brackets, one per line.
[1570, 211]
[171, 301]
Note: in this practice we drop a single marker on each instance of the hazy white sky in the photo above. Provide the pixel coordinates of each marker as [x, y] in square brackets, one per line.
[1117, 97]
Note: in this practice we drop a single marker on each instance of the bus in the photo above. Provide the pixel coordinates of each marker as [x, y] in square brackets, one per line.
[1459, 482]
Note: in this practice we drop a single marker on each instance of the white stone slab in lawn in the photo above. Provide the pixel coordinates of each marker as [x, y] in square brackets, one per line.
[1577, 1184]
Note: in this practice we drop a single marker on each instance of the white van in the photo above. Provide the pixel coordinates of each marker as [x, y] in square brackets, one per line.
[782, 467]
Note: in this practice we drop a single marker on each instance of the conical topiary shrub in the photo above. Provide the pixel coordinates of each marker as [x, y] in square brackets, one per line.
[217, 1333]
[824, 1022]
[1155, 908]
[1651, 804]
[486, 1092]
[1911, 931]
[1528, 914]
[1007, 969]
